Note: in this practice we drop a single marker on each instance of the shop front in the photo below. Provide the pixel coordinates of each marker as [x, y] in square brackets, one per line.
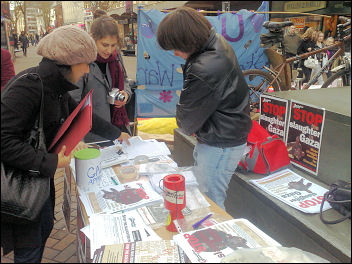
[330, 8]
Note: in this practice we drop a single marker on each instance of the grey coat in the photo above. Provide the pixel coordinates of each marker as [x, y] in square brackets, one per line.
[101, 87]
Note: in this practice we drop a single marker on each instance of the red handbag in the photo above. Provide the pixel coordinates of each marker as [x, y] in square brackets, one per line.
[268, 154]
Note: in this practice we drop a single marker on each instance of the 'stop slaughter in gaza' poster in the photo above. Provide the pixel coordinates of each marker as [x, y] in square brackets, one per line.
[273, 115]
[304, 134]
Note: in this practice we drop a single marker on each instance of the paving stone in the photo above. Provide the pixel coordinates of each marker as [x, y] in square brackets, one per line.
[45, 260]
[51, 242]
[73, 259]
[6, 260]
[50, 253]
[67, 253]
[67, 240]
[60, 234]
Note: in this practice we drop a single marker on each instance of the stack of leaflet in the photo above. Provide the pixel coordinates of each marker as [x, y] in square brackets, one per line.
[119, 198]
[150, 148]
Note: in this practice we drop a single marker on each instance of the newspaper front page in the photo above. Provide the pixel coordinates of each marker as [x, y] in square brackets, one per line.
[162, 251]
[211, 244]
[294, 190]
[119, 198]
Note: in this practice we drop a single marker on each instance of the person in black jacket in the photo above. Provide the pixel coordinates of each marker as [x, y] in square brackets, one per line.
[25, 42]
[214, 101]
[306, 45]
[67, 51]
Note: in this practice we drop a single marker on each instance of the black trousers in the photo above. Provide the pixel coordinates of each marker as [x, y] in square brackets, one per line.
[42, 231]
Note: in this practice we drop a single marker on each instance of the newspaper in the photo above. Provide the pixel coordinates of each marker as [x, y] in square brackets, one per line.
[162, 251]
[211, 244]
[294, 190]
[119, 198]
[108, 229]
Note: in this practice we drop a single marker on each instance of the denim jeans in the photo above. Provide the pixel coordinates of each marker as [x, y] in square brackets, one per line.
[214, 167]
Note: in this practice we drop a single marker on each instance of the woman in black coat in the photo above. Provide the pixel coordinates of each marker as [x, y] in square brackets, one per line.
[67, 51]
[306, 45]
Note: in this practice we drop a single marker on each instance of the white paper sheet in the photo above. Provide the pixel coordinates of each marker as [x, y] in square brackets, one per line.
[109, 229]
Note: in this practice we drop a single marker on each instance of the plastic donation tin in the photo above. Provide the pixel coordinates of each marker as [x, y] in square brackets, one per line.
[88, 168]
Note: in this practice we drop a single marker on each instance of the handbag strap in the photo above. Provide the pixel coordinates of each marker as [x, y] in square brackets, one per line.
[38, 125]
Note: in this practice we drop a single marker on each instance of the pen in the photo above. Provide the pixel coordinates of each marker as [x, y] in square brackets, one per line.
[114, 180]
[196, 225]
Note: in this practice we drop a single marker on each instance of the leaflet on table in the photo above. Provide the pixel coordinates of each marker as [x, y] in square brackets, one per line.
[213, 243]
[119, 197]
[155, 215]
[162, 251]
[158, 167]
[149, 148]
[111, 156]
[294, 190]
[109, 229]
[155, 179]
[108, 178]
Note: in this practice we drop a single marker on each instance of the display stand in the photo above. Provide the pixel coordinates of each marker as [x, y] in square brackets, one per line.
[83, 243]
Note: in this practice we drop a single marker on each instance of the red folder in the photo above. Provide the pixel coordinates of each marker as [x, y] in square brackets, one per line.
[76, 126]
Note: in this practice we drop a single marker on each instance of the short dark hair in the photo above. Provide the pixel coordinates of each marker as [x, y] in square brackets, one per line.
[99, 13]
[184, 29]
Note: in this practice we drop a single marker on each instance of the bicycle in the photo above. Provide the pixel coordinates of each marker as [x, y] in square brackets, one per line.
[260, 81]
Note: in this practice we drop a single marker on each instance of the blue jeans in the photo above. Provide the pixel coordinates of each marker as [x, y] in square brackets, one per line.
[214, 167]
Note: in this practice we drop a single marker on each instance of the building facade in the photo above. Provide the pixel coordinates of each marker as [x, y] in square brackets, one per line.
[73, 12]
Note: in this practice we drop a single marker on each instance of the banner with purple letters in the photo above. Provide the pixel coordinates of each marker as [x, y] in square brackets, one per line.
[160, 70]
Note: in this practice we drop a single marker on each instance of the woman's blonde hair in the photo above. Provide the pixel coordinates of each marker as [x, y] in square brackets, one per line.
[308, 34]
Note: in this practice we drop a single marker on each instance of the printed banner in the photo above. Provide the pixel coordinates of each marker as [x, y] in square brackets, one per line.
[158, 67]
[304, 133]
[273, 115]
[161, 70]
[156, 103]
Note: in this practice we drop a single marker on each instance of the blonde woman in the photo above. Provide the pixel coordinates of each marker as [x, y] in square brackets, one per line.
[318, 45]
[307, 45]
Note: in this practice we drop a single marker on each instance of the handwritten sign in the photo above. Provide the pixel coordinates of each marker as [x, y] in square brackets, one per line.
[304, 134]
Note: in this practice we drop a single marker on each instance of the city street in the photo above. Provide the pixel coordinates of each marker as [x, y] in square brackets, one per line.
[33, 59]
[61, 246]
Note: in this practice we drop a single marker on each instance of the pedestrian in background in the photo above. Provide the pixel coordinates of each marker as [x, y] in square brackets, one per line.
[66, 52]
[330, 52]
[98, 13]
[7, 68]
[291, 42]
[318, 45]
[36, 39]
[106, 73]
[25, 42]
[214, 101]
[307, 45]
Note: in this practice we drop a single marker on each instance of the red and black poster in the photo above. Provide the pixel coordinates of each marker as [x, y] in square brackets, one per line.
[273, 115]
[304, 134]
